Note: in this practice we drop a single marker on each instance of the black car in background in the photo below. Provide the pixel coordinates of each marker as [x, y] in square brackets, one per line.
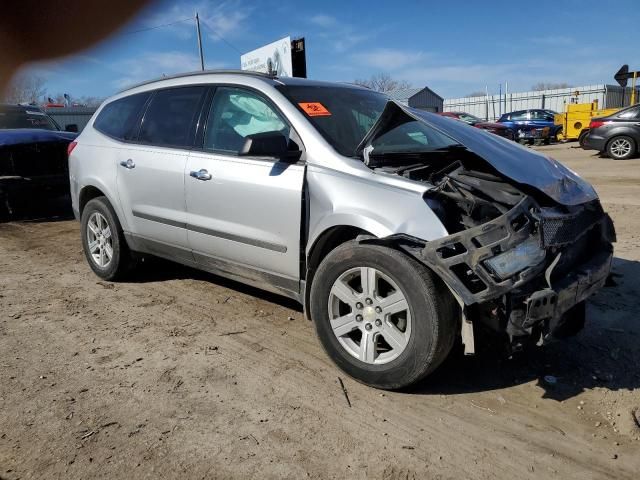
[617, 135]
[33, 158]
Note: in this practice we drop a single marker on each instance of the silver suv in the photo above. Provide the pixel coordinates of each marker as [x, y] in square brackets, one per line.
[397, 229]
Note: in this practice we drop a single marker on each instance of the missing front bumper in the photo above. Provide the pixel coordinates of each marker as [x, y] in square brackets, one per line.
[579, 252]
[549, 307]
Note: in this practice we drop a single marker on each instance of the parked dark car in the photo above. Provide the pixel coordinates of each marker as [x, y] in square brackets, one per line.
[33, 157]
[532, 125]
[493, 127]
[616, 135]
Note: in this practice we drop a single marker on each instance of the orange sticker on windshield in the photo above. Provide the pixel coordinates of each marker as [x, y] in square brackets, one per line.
[314, 109]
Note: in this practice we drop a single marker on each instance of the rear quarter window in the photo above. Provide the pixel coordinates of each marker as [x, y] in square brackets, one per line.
[119, 119]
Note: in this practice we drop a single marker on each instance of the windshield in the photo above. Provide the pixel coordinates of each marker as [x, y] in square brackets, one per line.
[343, 115]
[468, 118]
[17, 118]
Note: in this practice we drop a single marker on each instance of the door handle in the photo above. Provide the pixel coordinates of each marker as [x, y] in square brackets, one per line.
[201, 174]
[128, 164]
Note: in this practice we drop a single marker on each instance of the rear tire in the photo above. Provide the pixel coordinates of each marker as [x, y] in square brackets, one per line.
[410, 340]
[582, 139]
[103, 240]
[621, 147]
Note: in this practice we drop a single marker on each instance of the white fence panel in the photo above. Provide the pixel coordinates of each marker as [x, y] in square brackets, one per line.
[492, 106]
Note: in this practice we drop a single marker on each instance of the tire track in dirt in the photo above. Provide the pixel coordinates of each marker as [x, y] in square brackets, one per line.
[263, 402]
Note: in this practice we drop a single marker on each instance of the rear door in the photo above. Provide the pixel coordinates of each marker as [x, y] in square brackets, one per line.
[151, 178]
[244, 213]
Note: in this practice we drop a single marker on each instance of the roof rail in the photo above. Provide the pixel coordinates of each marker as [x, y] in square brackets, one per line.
[202, 72]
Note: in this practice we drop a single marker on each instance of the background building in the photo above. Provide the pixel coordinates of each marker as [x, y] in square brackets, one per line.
[423, 98]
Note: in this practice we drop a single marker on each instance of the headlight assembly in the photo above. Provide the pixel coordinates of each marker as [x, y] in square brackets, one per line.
[525, 255]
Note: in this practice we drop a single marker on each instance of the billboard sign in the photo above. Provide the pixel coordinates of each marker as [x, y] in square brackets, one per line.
[273, 58]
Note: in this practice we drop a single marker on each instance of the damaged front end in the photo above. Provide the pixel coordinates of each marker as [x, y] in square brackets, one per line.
[517, 259]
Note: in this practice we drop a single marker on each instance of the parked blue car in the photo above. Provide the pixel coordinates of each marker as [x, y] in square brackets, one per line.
[534, 125]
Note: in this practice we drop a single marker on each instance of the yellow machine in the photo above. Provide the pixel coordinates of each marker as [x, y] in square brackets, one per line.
[576, 117]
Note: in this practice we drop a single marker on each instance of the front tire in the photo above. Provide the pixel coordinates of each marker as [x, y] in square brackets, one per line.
[103, 240]
[382, 317]
[621, 148]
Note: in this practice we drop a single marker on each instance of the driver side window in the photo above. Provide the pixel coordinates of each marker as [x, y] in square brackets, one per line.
[236, 113]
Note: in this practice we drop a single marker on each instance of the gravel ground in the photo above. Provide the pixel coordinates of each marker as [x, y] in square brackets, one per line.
[181, 374]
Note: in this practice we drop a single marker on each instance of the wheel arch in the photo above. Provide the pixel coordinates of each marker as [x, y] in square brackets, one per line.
[325, 242]
[94, 189]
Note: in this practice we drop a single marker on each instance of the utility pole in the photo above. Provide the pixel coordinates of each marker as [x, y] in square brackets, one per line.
[199, 42]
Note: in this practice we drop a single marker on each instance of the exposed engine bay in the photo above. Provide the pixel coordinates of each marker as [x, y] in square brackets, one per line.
[516, 260]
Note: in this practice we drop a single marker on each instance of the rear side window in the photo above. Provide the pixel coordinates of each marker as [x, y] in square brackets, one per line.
[170, 115]
[119, 118]
[631, 114]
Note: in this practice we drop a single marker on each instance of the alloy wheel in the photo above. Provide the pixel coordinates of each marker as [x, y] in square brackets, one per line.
[620, 147]
[99, 240]
[369, 315]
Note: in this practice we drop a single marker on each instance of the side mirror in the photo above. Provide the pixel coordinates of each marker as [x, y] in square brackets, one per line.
[71, 127]
[268, 144]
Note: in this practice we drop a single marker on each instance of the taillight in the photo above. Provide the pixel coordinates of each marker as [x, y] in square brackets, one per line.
[596, 123]
[70, 147]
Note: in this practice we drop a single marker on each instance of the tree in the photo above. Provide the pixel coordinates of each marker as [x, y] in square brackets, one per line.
[549, 86]
[25, 88]
[28, 88]
[383, 82]
[89, 101]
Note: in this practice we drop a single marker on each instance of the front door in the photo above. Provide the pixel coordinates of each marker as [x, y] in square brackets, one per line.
[244, 213]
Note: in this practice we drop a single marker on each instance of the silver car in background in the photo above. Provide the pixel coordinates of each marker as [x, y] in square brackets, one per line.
[398, 230]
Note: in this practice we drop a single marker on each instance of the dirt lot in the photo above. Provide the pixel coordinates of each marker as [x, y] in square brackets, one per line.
[180, 374]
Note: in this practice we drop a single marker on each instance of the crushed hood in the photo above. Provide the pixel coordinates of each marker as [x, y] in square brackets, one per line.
[520, 164]
[21, 136]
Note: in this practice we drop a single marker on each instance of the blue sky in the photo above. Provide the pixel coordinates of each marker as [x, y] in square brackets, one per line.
[454, 47]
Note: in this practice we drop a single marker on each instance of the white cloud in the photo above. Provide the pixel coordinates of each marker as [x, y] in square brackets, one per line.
[339, 36]
[387, 59]
[155, 65]
[554, 40]
[227, 19]
[225, 24]
[458, 79]
[324, 21]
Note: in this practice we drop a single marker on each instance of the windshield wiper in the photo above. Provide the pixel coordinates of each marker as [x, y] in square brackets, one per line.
[449, 148]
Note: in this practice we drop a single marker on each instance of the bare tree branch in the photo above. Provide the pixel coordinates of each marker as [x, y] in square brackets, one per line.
[383, 82]
[548, 86]
[25, 88]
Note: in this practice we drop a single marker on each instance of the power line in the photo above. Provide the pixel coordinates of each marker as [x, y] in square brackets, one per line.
[222, 38]
[185, 20]
[158, 26]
